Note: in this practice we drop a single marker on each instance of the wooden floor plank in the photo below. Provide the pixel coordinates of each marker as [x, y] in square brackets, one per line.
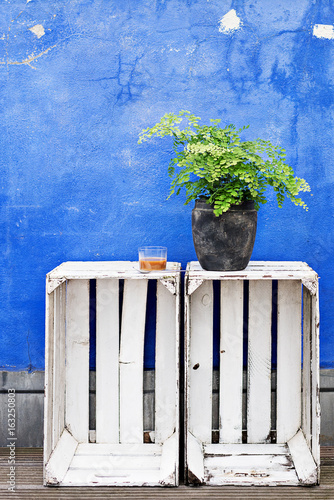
[29, 485]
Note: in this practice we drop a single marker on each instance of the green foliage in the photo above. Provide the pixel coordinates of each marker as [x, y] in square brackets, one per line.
[213, 162]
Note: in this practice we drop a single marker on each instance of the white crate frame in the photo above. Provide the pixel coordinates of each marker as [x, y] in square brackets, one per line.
[118, 457]
[295, 460]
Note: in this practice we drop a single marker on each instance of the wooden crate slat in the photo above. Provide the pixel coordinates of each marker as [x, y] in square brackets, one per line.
[166, 365]
[59, 362]
[257, 270]
[267, 474]
[303, 461]
[107, 361]
[56, 367]
[60, 459]
[279, 264]
[288, 360]
[256, 265]
[248, 462]
[124, 449]
[79, 477]
[107, 270]
[231, 360]
[131, 361]
[116, 462]
[77, 359]
[245, 449]
[200, 367]
[48, 395]
[62, 354]
[307, 390]
[259, 362]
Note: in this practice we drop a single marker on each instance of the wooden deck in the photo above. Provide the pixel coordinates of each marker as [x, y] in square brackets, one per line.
[29, 484]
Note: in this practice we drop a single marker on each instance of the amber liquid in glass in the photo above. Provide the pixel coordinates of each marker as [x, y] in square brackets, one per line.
[152, 264]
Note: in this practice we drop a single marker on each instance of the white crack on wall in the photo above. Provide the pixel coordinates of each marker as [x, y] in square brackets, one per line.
[230, 22]
[324, 31]
[29, 59]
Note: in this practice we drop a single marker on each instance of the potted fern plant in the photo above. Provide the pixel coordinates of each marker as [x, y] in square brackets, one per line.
[227, 178]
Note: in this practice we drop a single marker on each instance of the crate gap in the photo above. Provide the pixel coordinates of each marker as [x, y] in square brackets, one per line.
[216, 360]
[149, 362]
[92, 355]
[245, 358]
[274, 318]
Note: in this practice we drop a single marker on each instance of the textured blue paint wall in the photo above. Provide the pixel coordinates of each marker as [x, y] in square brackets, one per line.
[80, 79]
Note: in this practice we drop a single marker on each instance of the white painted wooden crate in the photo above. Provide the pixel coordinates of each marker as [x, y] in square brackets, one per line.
[252, 456]
[118, 455]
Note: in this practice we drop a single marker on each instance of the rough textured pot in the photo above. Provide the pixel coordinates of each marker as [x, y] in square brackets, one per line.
[224, 243]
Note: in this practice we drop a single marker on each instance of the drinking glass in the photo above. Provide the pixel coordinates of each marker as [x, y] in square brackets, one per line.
[152, 258]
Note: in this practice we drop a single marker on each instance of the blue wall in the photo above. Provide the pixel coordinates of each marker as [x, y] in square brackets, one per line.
[80, 79]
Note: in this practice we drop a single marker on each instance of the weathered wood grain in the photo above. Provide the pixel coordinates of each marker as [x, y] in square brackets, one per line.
[166, 365]
[195, 463]
[307, 353]
[107, 361]
[264, 270]
[303, 461]
[169, 470]
[131, 361]
[59, 362]
[48, 383]
[259, 362]
[106, 270]
[61, 457]
[315, 378]
[231, 361]
[200, 369]
[77, 359]
[288, 360]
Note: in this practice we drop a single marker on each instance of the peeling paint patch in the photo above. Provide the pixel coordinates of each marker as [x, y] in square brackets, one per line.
[324, 31]
[38, 30]
[75, 209]
[230, 22]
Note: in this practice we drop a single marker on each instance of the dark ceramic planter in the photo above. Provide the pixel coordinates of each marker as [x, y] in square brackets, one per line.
[224, 243]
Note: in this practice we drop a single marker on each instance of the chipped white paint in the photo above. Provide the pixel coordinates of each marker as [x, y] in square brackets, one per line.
[74, 209]
[230, 22]
[324, 31]
[38, 30]
[170, 49]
